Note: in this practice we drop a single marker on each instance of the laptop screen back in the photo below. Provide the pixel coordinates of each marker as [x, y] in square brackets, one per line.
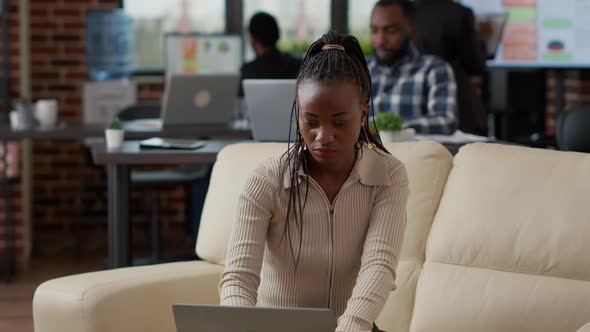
[190, 318]
[199, 99]
[269, 103]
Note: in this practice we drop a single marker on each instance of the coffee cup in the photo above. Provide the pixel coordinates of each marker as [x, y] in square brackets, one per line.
[46, 112]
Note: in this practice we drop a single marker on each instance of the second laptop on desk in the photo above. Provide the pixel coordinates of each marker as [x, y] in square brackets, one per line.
[269, 103]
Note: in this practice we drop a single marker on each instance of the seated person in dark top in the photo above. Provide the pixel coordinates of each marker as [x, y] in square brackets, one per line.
[447, 29]
[269, 62]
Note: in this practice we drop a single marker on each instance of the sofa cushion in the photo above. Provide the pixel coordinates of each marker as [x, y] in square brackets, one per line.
[397, 312]
[428, 164]
[129, 299]
[461, 299]
[507, 249]
[231, 169]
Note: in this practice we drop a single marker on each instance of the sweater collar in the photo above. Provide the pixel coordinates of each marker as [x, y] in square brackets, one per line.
[370, 169]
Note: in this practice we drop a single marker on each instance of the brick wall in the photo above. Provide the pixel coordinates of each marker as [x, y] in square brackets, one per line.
[58, 71]
[59, 167]
[150, 92]
[15, 189]
[577, 87]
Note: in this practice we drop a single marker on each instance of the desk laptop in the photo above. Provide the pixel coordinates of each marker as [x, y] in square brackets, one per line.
[191, 100]
[269, 103]
[193, 317]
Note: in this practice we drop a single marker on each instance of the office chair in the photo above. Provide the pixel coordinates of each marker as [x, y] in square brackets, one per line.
[573, 130]
[140, 111]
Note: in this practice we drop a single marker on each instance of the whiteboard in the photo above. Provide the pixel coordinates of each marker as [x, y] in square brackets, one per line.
[540, 33]
[203, 54]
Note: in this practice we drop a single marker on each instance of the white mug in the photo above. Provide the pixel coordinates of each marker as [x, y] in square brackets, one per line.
[15, 120]
[46, 112]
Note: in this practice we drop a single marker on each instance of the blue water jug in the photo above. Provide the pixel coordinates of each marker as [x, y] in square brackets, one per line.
[109, 44]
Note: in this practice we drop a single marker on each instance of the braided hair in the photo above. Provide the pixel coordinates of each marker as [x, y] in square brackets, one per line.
[323, 64]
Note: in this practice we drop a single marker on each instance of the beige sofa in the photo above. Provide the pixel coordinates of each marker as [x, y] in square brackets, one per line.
[497, 240]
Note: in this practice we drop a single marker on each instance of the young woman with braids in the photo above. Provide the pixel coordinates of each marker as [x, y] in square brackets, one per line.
[322, 225]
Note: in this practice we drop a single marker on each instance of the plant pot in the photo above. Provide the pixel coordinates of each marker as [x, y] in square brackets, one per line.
[114, 138]
[403, 135]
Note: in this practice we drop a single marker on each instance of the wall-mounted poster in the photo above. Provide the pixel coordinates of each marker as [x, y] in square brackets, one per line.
[541, 33]
[203, 54]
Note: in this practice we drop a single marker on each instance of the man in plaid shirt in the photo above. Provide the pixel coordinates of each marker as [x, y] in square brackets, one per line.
[421, 88]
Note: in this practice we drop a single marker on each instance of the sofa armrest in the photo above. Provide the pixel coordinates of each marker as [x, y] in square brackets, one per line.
[585, 328]
[126, 299]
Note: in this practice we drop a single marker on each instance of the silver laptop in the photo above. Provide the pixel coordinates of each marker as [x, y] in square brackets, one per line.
[269, 103]
[199, 99]
[192, 317]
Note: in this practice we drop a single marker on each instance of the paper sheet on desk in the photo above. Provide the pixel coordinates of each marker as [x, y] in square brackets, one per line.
[458, 137]
[143, 125]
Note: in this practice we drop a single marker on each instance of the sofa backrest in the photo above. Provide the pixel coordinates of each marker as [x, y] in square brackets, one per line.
[428, 165]
[508, 249]
[233, 165]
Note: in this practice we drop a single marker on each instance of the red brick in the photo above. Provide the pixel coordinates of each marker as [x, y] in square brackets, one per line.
[74, 26]
[41, 26]
[38, 88]
[69, 114]
[39, 75]
[39, 38]
[73, 100]
[74, 50]
[14, 35]
[44, 50]
[67, 37]
[63, 62]
[42, 3]
[81, 3]
[76, 76]
[39, 13]
[67, 12]
[63, 87]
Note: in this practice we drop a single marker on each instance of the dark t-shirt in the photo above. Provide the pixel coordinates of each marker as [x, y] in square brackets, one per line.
[273, 65]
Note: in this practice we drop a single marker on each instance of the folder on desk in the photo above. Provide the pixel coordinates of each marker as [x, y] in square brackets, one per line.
[171, 143]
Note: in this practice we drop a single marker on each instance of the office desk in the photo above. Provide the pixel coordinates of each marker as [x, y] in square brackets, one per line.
[118, 164]
[81, 132]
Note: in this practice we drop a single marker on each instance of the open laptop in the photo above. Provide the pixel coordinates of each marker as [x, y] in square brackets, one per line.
[192, 317]
[269, 103]
[191, 100]
[199, 99]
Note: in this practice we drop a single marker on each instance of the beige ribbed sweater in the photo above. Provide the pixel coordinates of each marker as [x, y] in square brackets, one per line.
[350, 248]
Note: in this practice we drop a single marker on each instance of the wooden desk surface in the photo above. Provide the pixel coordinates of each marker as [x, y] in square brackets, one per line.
[131, 154]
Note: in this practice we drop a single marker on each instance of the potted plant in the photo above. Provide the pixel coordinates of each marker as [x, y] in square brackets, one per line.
[114, 134]
[390, 126]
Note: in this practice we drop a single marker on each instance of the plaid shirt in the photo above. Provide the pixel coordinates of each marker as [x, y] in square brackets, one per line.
[421, 88]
